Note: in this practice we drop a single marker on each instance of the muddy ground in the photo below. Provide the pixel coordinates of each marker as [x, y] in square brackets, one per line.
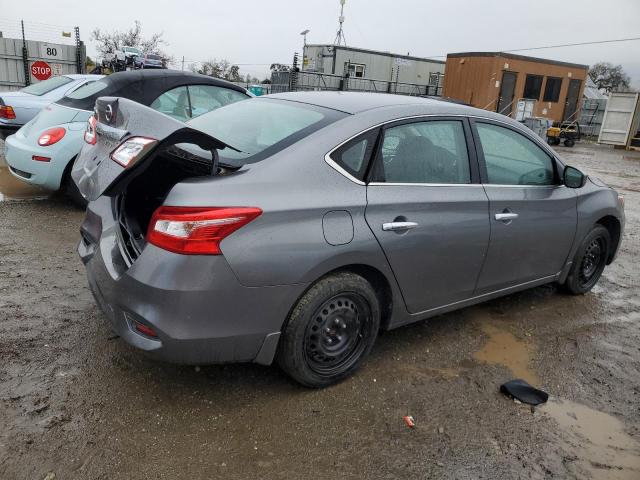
[77, 402]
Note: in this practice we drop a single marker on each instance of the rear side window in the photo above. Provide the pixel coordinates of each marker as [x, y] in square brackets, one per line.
[47, 86]
[513, 159]
[354, 156]
[205, 98]
[174, 103]
[424, 152]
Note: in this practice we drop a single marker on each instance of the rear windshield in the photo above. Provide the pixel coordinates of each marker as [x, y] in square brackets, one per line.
[132, 50]
[262, 127]
[41, 88]
[153, 57]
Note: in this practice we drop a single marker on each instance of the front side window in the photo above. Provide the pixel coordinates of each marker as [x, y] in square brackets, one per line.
[46, 86]
[552, 89]
[532, 87]
[513, 159]
[424, 152]
[174, 103]
[205, 98]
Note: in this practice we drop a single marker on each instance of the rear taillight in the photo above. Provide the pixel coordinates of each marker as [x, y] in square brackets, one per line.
[51, 136]
[90, 131]
[132, 150]
[197, 230]
[7, 112]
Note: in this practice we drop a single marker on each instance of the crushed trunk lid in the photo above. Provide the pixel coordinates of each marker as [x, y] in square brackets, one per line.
[118, 120]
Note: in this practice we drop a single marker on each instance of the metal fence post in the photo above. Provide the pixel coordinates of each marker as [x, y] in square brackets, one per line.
[79, 66]
[25, 58]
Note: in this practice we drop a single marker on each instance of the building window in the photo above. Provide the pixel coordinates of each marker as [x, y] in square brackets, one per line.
[552, 89]
[532, 87]
[354, 69]
[435, 79]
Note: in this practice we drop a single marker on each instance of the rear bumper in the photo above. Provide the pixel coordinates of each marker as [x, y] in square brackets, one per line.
[19, 156]
[200, 311]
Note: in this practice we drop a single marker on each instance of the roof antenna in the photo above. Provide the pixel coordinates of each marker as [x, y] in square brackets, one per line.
[340, 38]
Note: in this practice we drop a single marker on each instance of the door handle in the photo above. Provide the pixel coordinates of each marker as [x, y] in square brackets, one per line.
[506, 216]
[395, 226]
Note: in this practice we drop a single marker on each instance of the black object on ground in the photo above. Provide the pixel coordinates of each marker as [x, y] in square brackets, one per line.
[521, 390]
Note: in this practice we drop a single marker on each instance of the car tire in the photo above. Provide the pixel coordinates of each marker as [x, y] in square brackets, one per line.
[589, 261]
[330, 330]
[569, 142]
[71, 189]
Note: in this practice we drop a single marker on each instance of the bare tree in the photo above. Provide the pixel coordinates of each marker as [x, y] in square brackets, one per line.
[116, 40]
[219, 69]
[279, 67]
[609, 77]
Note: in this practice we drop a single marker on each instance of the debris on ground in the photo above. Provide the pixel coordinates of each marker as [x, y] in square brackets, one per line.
[520, 390]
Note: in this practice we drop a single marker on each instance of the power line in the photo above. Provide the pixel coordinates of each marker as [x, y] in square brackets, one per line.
[599, 42]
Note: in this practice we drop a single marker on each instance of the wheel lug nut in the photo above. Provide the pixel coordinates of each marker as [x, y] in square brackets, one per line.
[343, 325]
[337, 321]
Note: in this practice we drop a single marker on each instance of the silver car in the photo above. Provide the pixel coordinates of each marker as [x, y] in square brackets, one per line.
[18, 107]
[295, 226]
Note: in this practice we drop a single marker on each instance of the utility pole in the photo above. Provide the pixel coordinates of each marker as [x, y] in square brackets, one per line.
[340, 38]
[25, 58]
[183, 63]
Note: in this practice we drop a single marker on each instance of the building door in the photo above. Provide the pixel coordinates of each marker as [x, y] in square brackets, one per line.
[571, 105]
[507, 89]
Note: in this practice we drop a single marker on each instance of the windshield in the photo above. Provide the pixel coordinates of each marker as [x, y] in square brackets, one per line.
[153, 57]
[46, 86]
[132, 50]
[261, 127]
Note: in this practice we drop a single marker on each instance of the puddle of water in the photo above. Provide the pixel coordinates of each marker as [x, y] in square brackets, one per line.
[597, 440]
[13, 189]
[503, 348]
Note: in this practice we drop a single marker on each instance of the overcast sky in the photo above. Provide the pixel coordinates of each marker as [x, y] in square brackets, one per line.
[256, 33]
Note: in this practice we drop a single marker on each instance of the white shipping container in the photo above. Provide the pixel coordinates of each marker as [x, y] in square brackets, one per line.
[620, 119]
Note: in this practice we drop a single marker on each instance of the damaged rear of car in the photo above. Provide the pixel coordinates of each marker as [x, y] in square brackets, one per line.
[156, 268]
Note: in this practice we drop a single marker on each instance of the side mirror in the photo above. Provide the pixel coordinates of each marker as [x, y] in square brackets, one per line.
[573, 178]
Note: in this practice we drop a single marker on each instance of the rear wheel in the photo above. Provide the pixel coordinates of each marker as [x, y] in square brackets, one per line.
[589, 262]
[71, 189]
[569, 142]
[331, 329]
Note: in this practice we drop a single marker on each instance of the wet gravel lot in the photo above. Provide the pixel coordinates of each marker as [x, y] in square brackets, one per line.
[77, 402]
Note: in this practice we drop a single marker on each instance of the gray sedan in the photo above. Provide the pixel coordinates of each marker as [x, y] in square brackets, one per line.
[295, 226]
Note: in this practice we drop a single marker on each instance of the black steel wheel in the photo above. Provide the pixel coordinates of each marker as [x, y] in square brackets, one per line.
[330, 330]
[589, 261]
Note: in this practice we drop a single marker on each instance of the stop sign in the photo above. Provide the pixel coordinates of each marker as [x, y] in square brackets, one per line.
[40, 70]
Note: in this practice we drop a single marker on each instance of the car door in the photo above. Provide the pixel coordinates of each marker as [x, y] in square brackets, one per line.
[533, 216]
[428, 211]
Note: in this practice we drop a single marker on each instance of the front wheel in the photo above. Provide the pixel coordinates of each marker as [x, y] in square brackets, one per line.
[589, 262]
[330, 331]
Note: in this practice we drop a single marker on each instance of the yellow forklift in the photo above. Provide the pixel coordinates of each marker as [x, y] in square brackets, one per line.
[568, 132]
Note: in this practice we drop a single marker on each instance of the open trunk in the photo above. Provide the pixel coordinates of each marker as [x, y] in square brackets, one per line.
[171, 152]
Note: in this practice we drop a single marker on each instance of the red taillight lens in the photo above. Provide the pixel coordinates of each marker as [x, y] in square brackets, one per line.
[90, 131]
[132, 150]
[145, 329]
[7, 112]
[51, 136]
[40, 158]
[199, 230]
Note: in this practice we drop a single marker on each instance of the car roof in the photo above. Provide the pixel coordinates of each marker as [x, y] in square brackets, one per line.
[144, 86]
[81, 76]
[357, 102]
